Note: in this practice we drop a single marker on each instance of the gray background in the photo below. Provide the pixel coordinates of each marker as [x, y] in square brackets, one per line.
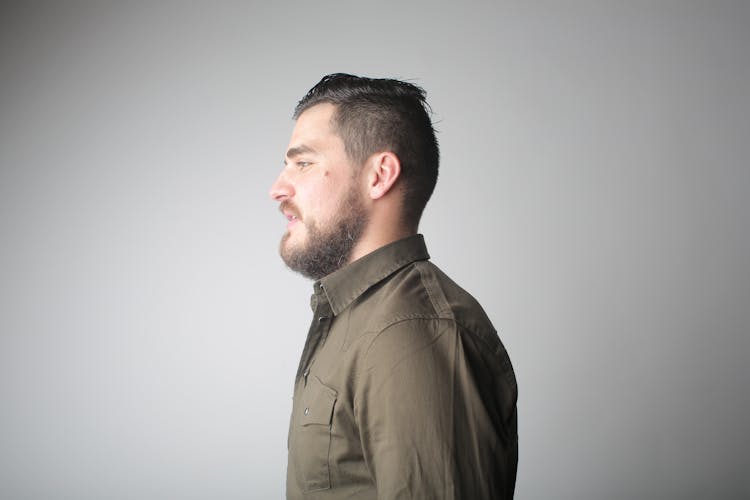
[593, 196]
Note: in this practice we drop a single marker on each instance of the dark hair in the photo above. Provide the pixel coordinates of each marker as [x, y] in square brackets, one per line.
[381, 114]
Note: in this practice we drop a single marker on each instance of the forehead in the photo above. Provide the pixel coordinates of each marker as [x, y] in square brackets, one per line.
[314, 123]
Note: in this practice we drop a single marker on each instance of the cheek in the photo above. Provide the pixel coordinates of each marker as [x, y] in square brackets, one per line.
[320, 197]
[323, 194]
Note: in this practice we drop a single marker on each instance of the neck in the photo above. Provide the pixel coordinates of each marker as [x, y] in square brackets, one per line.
[375, 237]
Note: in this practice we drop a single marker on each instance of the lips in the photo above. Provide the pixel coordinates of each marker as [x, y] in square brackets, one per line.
[290, 212]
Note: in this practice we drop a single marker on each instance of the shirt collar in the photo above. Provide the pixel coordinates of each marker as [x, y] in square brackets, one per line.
[342, 287]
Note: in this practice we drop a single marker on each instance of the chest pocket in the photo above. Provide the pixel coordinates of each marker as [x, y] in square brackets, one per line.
[313, 435]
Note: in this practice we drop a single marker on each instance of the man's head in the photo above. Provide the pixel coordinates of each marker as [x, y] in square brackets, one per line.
[355, 140]
[380, 114]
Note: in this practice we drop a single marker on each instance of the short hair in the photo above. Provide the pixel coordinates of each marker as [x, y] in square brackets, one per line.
[382, 114]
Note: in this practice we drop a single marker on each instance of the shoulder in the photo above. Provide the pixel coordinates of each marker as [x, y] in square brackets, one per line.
[418, 304]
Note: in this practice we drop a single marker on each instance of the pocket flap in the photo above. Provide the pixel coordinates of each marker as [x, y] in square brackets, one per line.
[317, 403]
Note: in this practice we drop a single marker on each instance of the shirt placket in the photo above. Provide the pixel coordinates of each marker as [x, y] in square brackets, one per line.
[318, 332]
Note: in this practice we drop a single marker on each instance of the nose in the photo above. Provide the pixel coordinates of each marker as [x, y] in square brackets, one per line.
[281, 189]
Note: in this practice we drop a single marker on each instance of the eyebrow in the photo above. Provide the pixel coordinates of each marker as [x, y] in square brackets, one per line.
[299, 150]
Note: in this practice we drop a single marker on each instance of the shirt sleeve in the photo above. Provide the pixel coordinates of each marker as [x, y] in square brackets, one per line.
[436, 408]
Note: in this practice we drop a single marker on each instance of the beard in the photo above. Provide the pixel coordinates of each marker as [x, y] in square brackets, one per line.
[327, 248]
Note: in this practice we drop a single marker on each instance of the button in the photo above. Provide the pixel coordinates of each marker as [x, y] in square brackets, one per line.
[307, 411]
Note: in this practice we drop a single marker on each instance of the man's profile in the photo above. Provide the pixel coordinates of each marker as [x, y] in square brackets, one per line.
[404, 389]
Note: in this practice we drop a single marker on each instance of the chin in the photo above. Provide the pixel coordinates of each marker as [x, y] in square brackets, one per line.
[288, 246]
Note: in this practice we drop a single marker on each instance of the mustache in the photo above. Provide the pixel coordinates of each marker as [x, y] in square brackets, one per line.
[289, 207]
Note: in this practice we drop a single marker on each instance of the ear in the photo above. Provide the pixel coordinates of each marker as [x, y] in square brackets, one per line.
[384, 170]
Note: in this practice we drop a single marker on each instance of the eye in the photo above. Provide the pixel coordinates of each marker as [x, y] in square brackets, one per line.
[303, 164]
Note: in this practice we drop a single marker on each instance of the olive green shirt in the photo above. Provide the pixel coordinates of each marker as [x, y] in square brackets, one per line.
[404, 389]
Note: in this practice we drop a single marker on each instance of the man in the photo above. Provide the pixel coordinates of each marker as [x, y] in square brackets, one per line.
[404, 389]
